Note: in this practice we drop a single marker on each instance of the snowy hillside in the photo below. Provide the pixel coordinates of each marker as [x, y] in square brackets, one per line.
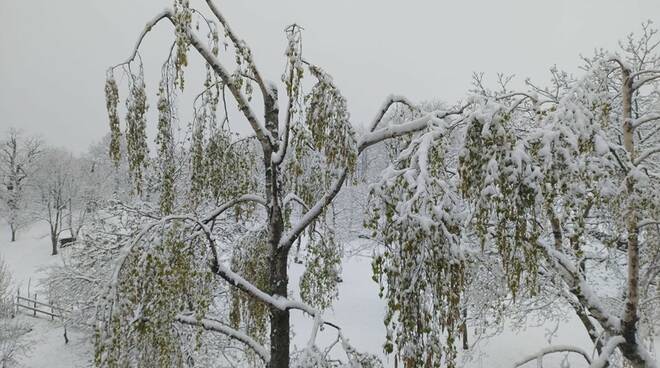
[358, 309]
[28, 259]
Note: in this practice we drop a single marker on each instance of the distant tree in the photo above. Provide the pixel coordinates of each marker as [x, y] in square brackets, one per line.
[56, 189]
[18, 156]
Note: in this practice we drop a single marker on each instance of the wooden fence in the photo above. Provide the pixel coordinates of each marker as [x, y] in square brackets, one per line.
[37, 307]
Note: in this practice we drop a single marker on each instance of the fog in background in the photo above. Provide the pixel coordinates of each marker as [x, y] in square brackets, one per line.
[54, 54]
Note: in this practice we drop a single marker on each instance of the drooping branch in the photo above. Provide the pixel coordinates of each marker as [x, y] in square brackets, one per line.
[243, 105]
[245, 198]
[262, 134]
[242, 48]
[391, 100]
[644, 155]
[608, 350]
[578, 287]
[211, 325]
[551, 350]
[646, 119]
[367, 141]
[395, 131]
[167, 13]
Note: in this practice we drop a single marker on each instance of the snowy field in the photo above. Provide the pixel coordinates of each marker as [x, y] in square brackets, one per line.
[27, 259]
[359, 311]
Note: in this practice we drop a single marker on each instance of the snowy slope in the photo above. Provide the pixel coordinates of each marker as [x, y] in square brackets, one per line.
[359, 311]
[27, 259]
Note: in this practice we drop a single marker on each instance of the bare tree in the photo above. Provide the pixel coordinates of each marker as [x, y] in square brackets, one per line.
[56, 188]
[18, 156]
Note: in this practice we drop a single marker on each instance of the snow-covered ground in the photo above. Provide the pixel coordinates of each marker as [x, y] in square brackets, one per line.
[359, 311]
[27, 260]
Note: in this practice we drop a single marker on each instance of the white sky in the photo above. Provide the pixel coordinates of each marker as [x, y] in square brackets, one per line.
[53, 54]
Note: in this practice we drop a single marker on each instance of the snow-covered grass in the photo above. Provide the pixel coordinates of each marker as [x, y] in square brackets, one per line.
[27, 260]
[359, 311]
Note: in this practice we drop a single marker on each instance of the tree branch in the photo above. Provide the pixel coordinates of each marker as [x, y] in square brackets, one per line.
[245, 198]
[211, 325]
[608, 349]
[391, 100]
[649, 118]
[243, 105]
[644, 155]
[551, 350]
[240, 44]
[167, 13]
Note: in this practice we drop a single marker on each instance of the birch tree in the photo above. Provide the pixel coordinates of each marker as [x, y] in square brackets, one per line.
[279, 196]
[539, 194]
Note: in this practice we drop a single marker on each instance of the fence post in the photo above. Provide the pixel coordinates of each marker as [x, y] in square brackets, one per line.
[18, 295]
[35, 304]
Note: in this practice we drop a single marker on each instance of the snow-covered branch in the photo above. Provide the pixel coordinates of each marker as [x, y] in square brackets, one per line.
[603, 359]
[538, 356]
[415, 125]
[243, 49]
[646, 119]
[167, 13]
[644, 155]
[646, 80]
[368, 140]
[243, 105]
[391, 100]
[582, 290]
[211, 325]
[245, 198]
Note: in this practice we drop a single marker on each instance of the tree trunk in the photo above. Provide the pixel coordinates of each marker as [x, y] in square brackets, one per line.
[53, 240]
[13, 232]
[464, 330]
[279, 320]
[630, 349]
[279, 256]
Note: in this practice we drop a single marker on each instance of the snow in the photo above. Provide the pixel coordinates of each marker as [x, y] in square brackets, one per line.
[359, 312]
[27, 259]
[50, 350]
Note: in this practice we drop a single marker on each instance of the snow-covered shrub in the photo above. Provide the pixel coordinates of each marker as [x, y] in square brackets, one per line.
[12, 331]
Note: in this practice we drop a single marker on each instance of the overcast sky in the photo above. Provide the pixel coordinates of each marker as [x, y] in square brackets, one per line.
[53, 54]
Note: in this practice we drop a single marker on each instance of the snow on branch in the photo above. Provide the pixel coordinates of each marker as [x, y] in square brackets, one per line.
[406, 128]
[538, 356]
[245, 198]
[391, 100]
[243, 49]
[167, 13]
[644, 155]
[216, 326]
[368, 140]
[608, 349]
[313, 212]
[243, 105]
[643, 120]
[262, 134]
[582, 290]
[646, 80]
